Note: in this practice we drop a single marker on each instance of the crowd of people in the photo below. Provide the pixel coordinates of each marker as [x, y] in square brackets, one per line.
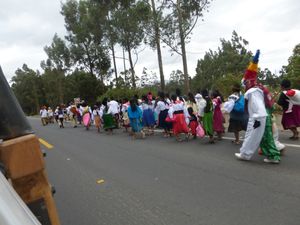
[196, 115]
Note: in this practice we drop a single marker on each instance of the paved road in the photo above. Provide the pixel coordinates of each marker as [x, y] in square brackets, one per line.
[159, 181]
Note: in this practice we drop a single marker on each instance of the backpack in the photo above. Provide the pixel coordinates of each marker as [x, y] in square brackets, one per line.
[239, 105]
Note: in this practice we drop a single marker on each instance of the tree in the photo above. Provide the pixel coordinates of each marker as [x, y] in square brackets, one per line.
[28, 88]
[292, 70]
[130, 20]
[232, 58]
[55, 67]
[177, 80]
[154, 35]
[86, 36]
[148, 79]
[181, 18]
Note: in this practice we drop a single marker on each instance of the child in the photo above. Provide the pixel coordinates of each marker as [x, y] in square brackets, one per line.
[148, 114]
[135, 115]
[208, 117]
[217, 115]
[193, 122]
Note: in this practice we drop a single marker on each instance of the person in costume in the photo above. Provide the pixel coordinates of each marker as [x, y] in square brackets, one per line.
[259, 127]
[73, 114]
[60, 115]
[207, 119]
[85, 112]
[114, 110]
[238, 117]
[97, 114]
[217, 114]
[201, 103]
[135, 115]
[290, 120]
[178, 114]
[268, 145]
[44, 115]
[191, 102]
[147, 107]
[125, 118]
[162, 107]
[50, 115]
[109, 122]
[193, 122]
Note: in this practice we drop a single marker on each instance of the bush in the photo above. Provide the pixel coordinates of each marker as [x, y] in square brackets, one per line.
[121, 93]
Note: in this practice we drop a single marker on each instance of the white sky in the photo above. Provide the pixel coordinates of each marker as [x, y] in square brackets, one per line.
[272, 26]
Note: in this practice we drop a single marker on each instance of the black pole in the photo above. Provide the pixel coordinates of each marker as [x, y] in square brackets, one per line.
[13, 122]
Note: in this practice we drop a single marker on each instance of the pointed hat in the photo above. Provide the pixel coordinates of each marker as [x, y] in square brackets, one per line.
[251, 72]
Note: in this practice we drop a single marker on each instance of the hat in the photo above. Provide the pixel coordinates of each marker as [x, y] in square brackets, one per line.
[198, 96]
[251, 72]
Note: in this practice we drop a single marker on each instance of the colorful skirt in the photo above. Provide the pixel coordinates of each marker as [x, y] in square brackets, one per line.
[292, 119]
[109, 121]
[193, 125]
[148, 118]
[179, 124]
[162, 123]
[97, 120]
[208, 123]
[136, 124]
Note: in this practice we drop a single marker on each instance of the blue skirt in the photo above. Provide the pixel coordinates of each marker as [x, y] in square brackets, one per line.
[148, 118]
[136, 124]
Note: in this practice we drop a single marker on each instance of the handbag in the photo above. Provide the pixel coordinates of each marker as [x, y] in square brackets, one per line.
[200, 131]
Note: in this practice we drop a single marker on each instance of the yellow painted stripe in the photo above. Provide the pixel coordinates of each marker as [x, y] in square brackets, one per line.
[45, 143]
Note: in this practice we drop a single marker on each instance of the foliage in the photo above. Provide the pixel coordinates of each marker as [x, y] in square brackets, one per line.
[149, 79]
[231, 58]
[122, 93]
[176, 81]
[179, 21]
[28, 88]
[86, 36]
[292, 70]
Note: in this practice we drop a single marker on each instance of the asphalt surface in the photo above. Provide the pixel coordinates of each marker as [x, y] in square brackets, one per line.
[114, 180]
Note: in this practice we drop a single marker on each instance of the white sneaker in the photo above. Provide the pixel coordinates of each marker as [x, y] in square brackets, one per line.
[266, 160]
[240, 157]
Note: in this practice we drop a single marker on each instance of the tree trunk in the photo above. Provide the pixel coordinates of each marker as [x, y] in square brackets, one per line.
[124, 63]
[131, 67]
[115, 65]
[157, 40]
[182, 44]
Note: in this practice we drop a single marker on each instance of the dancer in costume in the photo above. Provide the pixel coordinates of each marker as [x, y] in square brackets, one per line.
[147, 107]
[267, 145]
[208, 117]
[73, 114]
[162, 107]
[290, 120]
[86, 114]
[255, 100]
[178, 114]
[238, 117]
[191, 102]
[193, 122]
[114, 110]
[109, 122]
[201, 103]
[125, 118]
[44, 115]
[217, 115]
[97, 114]
[60, 115]
[50, 115]
[135, 115]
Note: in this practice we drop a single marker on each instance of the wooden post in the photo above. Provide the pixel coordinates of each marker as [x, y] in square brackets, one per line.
[25, 166]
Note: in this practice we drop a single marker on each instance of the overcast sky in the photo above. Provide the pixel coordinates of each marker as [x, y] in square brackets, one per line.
[27, 26]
